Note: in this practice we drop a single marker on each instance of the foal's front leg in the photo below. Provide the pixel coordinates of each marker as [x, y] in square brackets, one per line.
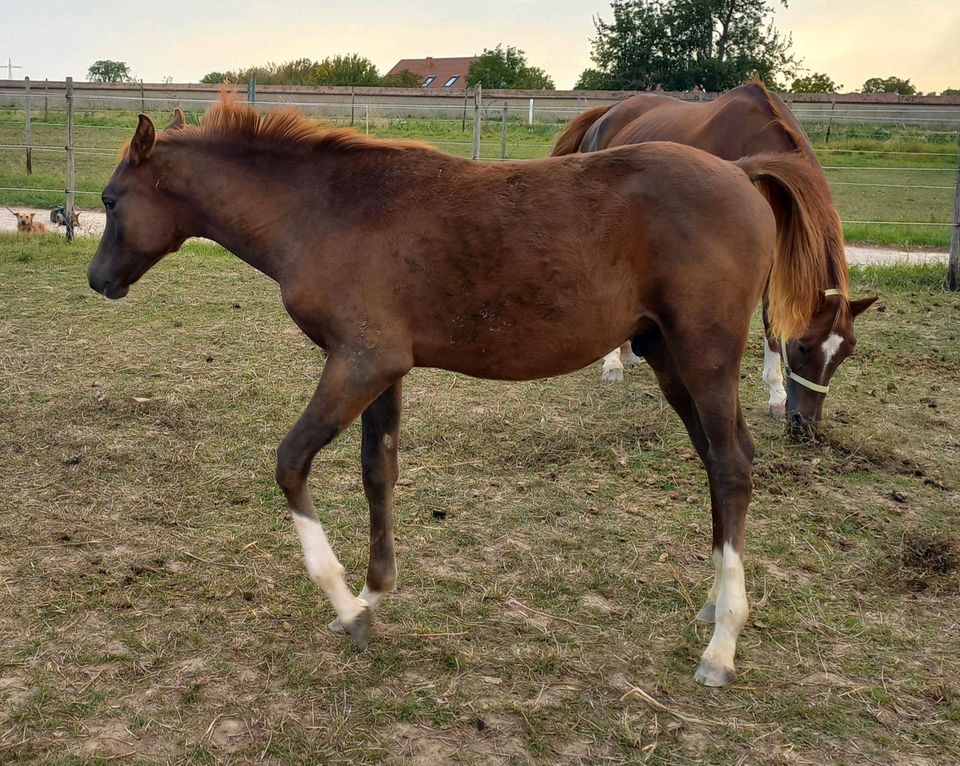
[345, 390]
[772, 372]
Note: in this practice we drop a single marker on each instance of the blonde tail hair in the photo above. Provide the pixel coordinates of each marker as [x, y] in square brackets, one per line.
[810, 256]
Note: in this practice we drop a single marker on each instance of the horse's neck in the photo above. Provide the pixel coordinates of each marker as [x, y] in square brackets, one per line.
[230, 205]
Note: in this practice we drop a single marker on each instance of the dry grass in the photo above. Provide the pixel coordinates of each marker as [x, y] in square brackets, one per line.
[552, 538]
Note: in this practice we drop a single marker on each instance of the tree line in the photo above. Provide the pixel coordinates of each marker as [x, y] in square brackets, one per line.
[672, 45]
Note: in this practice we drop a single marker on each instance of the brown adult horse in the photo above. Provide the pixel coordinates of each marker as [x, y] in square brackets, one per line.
[740, 123]
[413, 258]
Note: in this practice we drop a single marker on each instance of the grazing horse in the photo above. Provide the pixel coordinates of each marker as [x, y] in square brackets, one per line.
[414, 258]
[742, 122]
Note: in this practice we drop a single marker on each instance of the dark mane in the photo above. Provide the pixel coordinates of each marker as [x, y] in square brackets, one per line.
[232, 120]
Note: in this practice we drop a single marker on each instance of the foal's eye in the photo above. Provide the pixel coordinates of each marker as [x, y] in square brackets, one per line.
[108, 202]
[801, 348]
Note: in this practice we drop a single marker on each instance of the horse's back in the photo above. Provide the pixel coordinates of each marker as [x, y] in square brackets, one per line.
[741, 122]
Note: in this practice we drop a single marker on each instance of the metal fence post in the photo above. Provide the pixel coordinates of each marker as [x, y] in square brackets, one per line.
[68, 208]
[953, 266]
[252, 89]
[353, 104]
[366, 118]
[477, 99]
[503, 134]
[46, 98]
[27, 138]
[530, 116]
[143, 108]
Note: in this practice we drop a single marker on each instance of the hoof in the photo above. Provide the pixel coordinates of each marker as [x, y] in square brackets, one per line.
[357, 630]
[708, 612]
[336, 626]
[710, 674]
[630, 360]
[778, 411]
[613, 375]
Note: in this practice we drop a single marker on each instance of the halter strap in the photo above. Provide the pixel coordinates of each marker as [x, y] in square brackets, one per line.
[786, 361]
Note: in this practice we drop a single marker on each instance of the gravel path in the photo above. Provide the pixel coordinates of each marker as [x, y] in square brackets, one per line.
[92, 223]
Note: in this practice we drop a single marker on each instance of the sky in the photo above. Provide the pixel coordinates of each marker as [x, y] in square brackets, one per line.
[850, 40]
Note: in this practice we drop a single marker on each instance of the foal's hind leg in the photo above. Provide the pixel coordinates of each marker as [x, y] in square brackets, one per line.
[711, 377]
[345, 390]
[679, 398]
[380, 435]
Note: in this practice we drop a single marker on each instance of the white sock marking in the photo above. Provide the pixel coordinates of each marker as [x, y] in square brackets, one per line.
[732, 611]
[830, 347]
[627, 357]
[612, 366]
[773, 377]
[324, 568]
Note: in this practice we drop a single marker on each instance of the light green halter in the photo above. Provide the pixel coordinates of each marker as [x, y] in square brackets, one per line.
[786, 362]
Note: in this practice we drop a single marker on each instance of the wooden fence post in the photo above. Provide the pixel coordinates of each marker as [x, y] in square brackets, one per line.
[833, 105]
[71, 192]
[953, 266]
[477, 100]
[27, 137]
[503, 134]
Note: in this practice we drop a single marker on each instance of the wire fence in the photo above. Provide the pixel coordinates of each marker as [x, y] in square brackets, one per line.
[893, 166]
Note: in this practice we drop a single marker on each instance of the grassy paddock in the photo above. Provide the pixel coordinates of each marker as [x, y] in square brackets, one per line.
[931, 162]
[552, 538]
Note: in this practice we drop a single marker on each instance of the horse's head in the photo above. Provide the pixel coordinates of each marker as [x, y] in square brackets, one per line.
[812, 359]
[144, 220]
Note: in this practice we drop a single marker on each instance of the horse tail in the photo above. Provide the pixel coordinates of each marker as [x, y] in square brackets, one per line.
[810, 255]
[569, 141]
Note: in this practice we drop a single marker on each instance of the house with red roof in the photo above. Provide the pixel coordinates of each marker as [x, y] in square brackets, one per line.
[437, 73]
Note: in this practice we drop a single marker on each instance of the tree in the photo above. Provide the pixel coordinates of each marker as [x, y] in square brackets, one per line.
[678, 44]
[593, 79]
[950, 92]
[507, 68]
[351, 69]
[889, 85]
[106, 70]
[402, 79]
[815, 82]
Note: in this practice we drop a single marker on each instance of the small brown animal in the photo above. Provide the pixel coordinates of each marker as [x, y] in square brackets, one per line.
[26, 223]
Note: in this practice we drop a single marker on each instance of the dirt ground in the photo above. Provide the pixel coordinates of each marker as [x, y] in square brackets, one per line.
[553, 545]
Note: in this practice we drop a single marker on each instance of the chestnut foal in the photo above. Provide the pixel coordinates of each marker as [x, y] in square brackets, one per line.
[413, 258]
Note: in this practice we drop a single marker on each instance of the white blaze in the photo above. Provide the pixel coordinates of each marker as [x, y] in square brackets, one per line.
[830, 347]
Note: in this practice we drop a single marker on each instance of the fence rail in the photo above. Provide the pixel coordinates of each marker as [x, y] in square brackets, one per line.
[495, 126]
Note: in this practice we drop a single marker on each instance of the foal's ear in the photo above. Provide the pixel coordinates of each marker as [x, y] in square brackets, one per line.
[178, 121]
[142, 143]
[858, 307]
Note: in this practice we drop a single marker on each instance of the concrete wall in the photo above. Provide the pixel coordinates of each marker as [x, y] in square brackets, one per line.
[929, 111]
